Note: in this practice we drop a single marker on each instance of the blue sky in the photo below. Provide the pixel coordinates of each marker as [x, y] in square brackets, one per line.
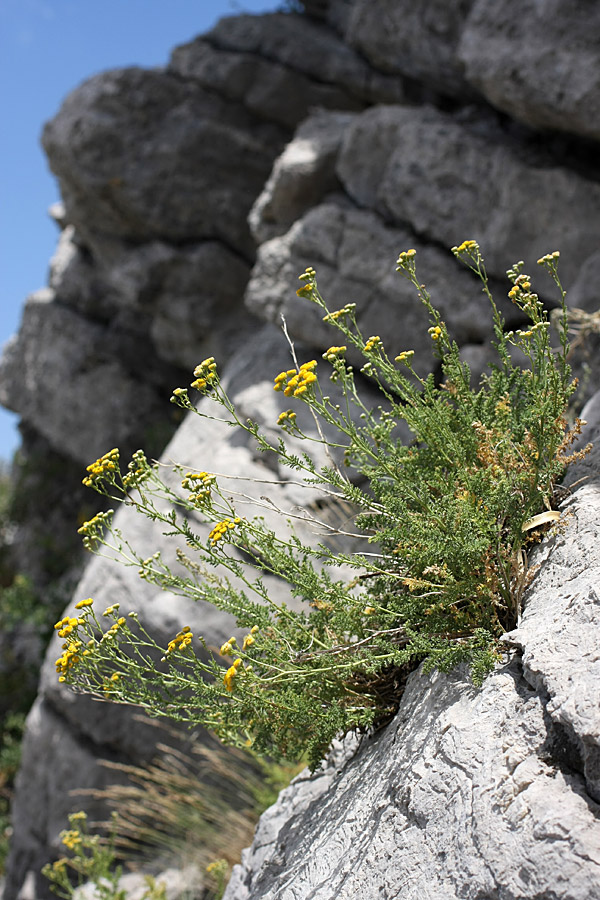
[47, 47]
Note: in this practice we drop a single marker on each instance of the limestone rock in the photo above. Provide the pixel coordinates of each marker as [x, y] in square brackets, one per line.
[302, 176]
[303, 46]
[334, 12]
[78, 281]
[268, 88]
[136, 154]
[418, 40]
[56, 346]
[451, 183]
[537, 62]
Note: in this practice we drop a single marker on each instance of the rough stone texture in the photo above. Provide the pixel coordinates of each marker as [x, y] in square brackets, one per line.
[136, 153]
[414, 39]
[451, 183]
[467, 793]
[56, 346]
[301, 176]
[302, 46]
[536, 61]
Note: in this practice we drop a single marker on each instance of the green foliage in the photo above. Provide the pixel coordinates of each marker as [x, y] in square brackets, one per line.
[448, 517]
[11, 736]
[92, 860]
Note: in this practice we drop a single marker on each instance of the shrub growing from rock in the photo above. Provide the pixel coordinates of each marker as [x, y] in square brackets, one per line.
[441, 525]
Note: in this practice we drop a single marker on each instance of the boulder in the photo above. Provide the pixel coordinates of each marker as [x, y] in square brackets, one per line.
[536, 62]
[61, 374]
[417, 40]
[136, 153]
[451, 182]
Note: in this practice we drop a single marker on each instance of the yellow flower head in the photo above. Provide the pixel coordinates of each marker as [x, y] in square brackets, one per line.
[83, 603]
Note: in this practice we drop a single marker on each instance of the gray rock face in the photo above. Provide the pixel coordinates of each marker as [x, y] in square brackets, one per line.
[467, 793]
[302, 175]
[302, 46]
[54, 346]
[539, 63]
[450, 183]
[414, 39]
[111, 159]
[536, 62]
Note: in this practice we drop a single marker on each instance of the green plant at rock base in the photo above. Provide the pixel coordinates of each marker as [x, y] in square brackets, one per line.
[92, 860]
[172, 810]
[448, 518]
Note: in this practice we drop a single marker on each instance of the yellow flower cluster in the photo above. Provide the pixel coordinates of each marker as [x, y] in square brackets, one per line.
[68, 659]
[287, 419]
[83, 603]
[181, 641]
[91, 527]
[308, 276]
[374, 343]
[404, 259]
[521, 286]
[333, 353]
[67, 626]
[70, 839]
[435, 333]
[205, 375]
[111, 609]
[59, 866]
[227, 648]
[103, 468]
[139, 470]
[338, 313]
[548, 258]
[539, 326]
[114, 628]
[405, 356]
[230, 674]
[199, 484]
[296, 383]
[465, 247]
[250, 639]
[221, 529]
